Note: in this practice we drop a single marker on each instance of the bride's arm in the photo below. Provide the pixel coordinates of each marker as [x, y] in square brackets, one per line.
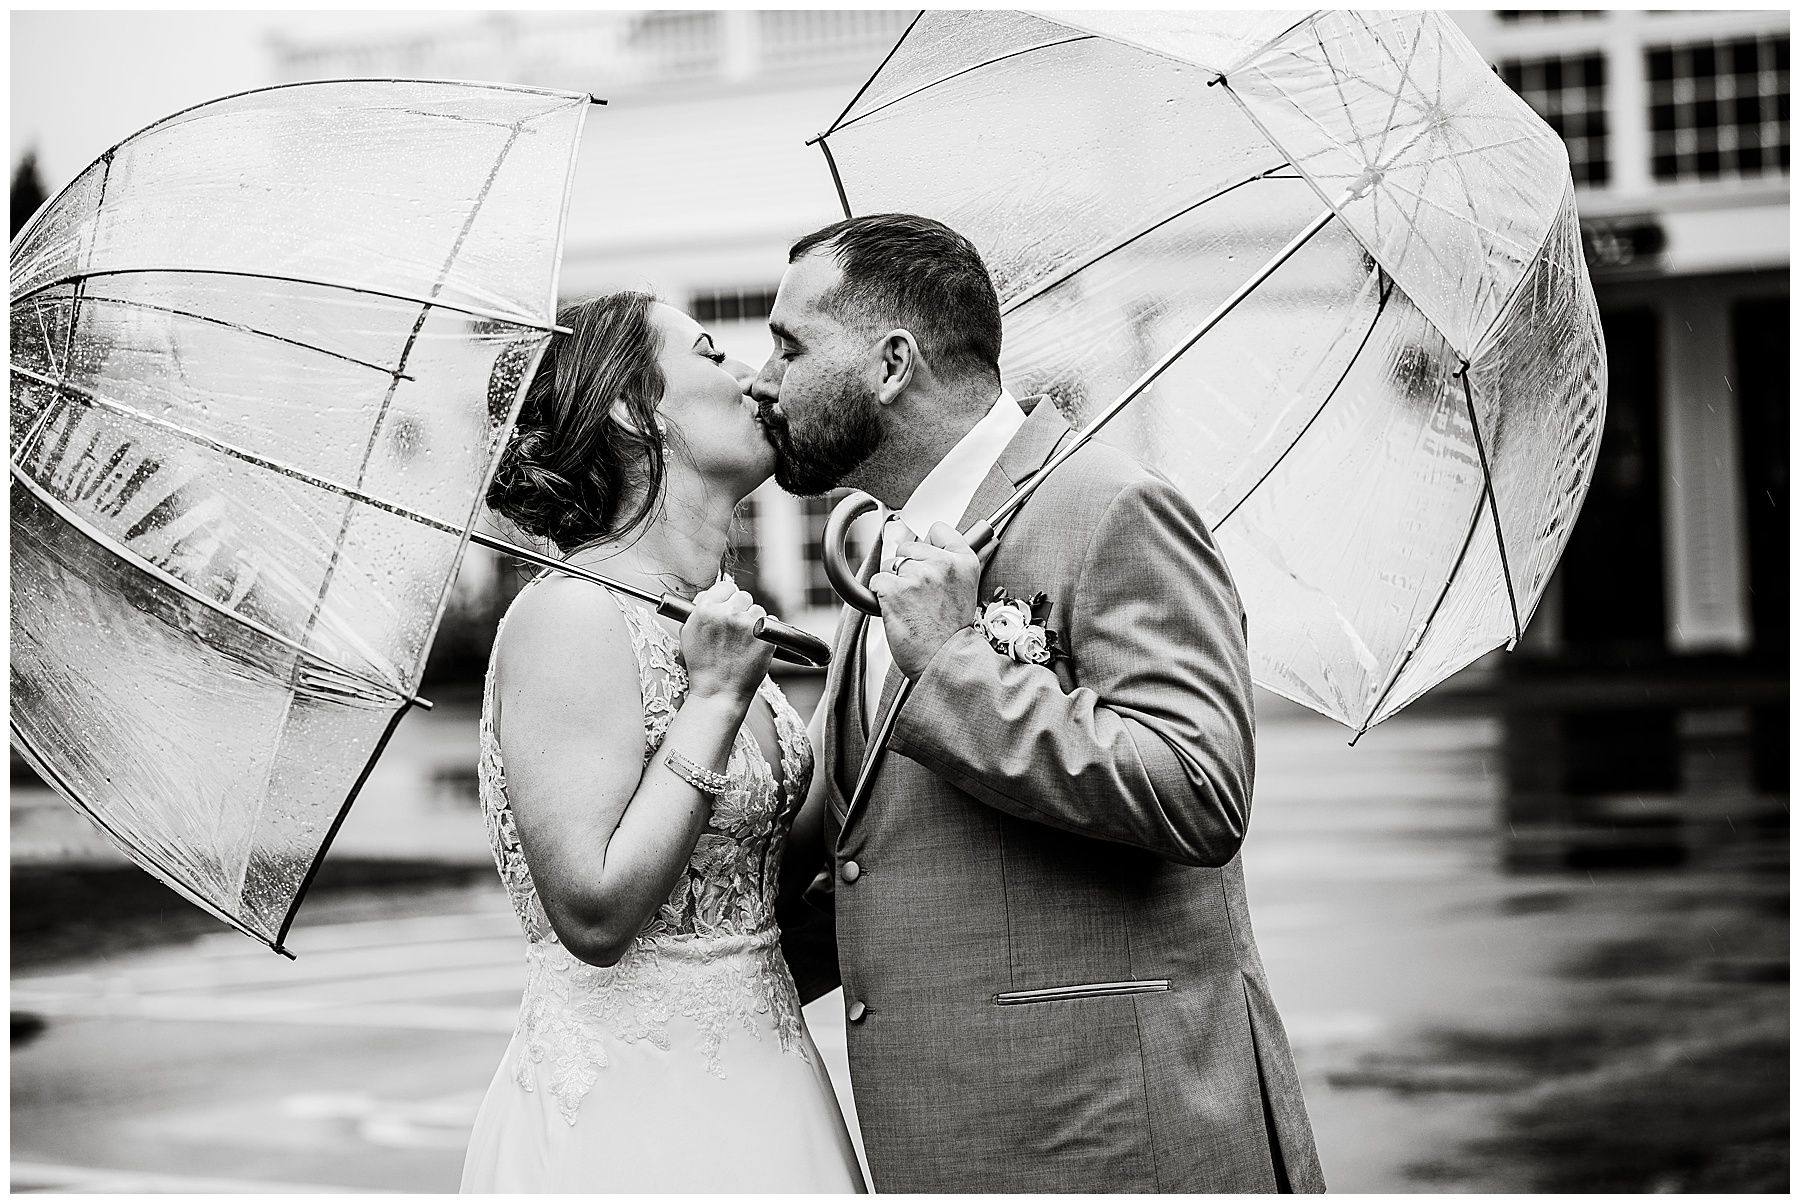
[605, 835]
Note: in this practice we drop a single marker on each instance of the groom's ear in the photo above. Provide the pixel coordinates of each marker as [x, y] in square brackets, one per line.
[899, 364]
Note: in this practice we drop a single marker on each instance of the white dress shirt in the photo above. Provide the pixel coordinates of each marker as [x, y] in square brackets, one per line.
[942, 497]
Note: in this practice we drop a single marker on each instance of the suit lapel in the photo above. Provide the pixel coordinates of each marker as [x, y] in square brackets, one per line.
[1043, 431]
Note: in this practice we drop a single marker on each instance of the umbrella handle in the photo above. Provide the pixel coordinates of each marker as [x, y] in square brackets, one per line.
[852, 585]
[792, 645]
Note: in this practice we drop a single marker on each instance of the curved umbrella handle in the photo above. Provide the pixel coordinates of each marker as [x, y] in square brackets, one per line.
[852, 585]
[792, 645]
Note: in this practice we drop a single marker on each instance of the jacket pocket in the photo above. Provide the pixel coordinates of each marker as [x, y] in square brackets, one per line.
[1088, 990]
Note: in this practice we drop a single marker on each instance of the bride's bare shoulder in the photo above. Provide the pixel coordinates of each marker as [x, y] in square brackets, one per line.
[567, 629]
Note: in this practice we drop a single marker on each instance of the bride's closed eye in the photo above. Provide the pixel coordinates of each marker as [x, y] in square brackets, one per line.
[706, 348]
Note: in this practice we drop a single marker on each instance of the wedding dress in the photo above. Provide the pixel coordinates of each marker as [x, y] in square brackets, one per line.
[686, 1066]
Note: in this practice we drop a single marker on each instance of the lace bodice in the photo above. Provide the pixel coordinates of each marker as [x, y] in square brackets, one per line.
[711, 951]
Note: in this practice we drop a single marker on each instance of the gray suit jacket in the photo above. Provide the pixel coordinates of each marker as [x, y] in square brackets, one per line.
[1044, 944]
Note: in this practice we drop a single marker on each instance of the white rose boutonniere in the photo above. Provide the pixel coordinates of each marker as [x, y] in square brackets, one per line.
[1005, 619]
[1016, 627]
[1032, 647]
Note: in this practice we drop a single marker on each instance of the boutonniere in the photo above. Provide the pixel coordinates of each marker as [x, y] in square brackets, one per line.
[1017, 628]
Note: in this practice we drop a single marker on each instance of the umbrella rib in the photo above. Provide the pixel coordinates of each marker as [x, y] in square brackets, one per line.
[1539, 259]
[1380, 308]
[1252, 56]
[466, 120]
[132, 849]
[1483, 236]
[876, 74]
[28, 443]
[337, 545]
[89, 397]
[412, 338]
[1011, 505]
[1337, 85]
[568, 97]
[1421, 201]
[1487, 475]
[1443, 594]
[49, 340]
[266, 334]
[1013, 54]
[341, 286]
[1044, 286]
[1387, 126]
[101, 538]
[77, 294]
[1481, 149]
[287, 922]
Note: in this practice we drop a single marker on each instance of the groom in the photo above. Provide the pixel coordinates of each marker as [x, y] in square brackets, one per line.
[1041, 930]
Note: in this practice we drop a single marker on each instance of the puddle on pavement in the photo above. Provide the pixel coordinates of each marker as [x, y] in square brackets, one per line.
[1664, 1067]
[1634, 1034]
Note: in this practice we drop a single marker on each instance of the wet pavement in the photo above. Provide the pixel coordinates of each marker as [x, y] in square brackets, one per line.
[1457, 1027]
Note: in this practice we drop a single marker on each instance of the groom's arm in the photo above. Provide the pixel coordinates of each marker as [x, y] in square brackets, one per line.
[1153, 748]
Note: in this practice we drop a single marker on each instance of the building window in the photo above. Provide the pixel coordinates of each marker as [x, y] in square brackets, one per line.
[1541, 16]
[681, 43]
[743, 555]
[815, 511]
[1719, 110]
[805, 36]
[732, 305]
[1570, 95]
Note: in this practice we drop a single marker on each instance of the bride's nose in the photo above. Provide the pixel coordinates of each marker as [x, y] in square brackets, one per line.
[741, 372]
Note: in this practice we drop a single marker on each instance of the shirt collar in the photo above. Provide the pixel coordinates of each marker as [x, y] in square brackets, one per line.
[949, 487]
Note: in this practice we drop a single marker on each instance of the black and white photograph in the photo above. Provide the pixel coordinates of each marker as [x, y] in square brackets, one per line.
[845, 600]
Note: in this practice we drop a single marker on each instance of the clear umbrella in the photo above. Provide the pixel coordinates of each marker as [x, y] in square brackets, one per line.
[264, 355]
[1322, 270]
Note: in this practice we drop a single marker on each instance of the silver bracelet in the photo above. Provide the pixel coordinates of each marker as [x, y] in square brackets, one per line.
[703, 780]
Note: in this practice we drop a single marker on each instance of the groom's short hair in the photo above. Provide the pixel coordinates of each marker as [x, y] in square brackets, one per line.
[904, 270]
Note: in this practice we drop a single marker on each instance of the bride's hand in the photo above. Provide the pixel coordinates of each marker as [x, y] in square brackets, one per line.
[724, 658]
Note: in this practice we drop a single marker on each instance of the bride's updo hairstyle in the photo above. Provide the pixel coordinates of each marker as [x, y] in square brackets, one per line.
[574, 472]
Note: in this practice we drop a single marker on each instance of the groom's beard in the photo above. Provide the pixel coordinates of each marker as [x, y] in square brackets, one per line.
[830, 445]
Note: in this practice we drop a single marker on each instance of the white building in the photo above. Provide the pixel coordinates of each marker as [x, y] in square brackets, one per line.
[696, 176]
[1647, 710]
[1677, 127]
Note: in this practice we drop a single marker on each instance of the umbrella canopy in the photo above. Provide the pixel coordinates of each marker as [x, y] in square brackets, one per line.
[1391, 432]
[264, 356]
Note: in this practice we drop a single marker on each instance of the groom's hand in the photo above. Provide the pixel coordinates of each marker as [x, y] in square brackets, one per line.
[927, 590]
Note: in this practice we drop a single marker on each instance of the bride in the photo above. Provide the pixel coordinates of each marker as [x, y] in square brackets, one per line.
[638, 781]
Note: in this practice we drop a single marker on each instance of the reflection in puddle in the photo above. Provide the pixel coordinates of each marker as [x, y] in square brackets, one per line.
[1663, 1069]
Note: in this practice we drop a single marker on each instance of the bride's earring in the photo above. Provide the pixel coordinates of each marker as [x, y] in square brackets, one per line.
[621, 414]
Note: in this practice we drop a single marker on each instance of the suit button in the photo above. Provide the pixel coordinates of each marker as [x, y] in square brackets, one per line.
[857, 1012]
[851, 871]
